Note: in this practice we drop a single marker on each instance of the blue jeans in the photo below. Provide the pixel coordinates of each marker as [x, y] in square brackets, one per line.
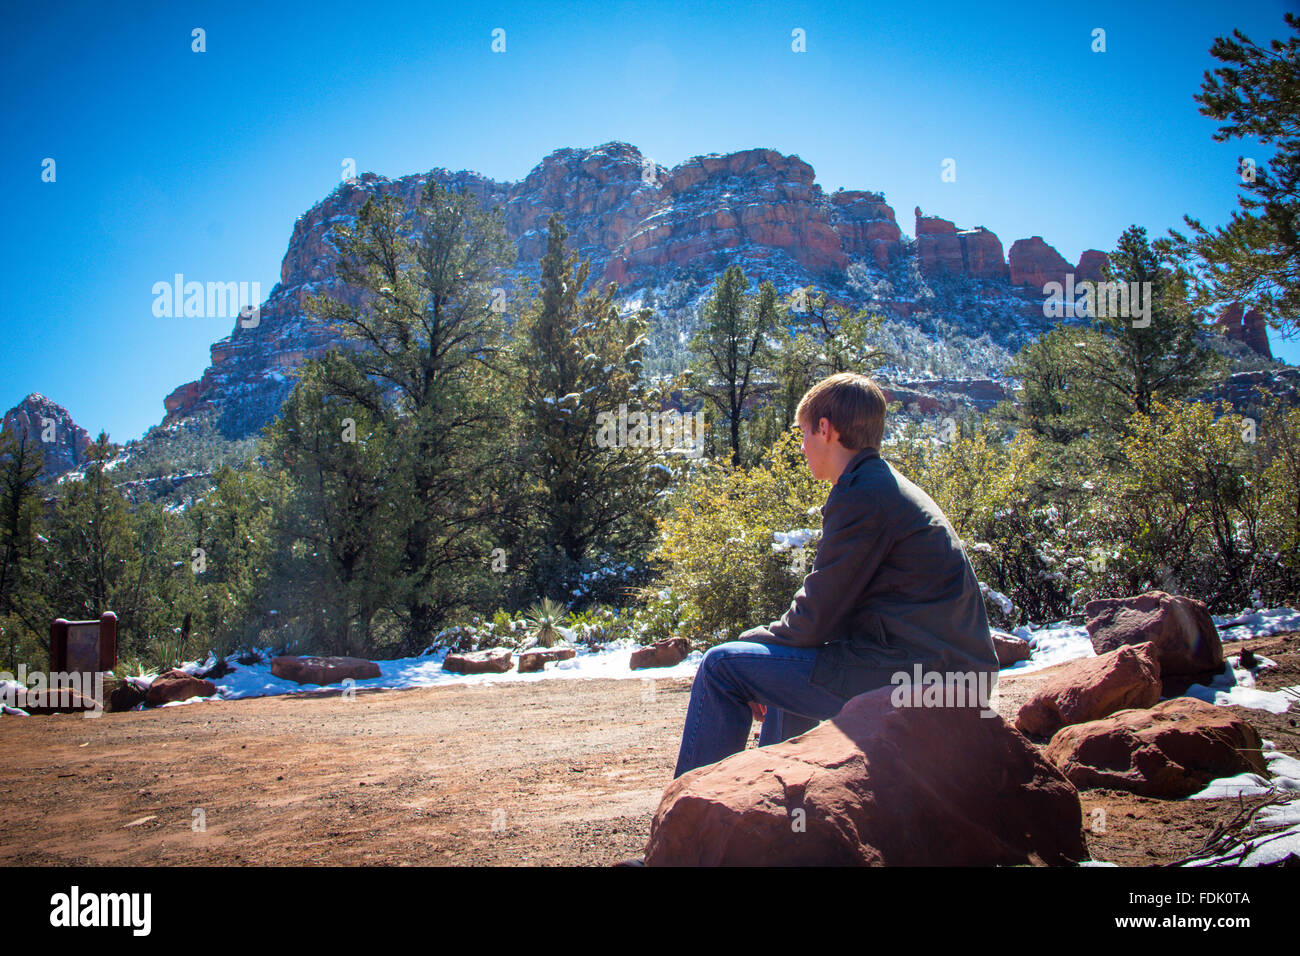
[732, 674]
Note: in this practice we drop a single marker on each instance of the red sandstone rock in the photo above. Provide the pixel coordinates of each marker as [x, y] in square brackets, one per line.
[1034, 263]
[661, 653]
[981, 252]
[1090, 266]
[875, 785]
[498, 660]
[1010, 650]
[1185, 638]
[176, 685]
[323, 670]
[1092, 688]
[537, 659]
[1251, 329]
[933, 225]
[1171, 750]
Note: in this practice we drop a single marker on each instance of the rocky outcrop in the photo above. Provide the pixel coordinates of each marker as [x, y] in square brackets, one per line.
[1170, 751]
[1034, 263]
[1249, 392]
[1090, 266]
[876, 785]
[1250, 329]
[942, 248]
[1186, 640]
[637, 221]
[48, 427]
[1092, 688]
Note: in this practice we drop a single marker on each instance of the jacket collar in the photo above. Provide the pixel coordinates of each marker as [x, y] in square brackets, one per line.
[856, 462]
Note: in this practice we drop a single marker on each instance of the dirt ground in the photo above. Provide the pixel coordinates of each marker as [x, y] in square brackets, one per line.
[557, 772]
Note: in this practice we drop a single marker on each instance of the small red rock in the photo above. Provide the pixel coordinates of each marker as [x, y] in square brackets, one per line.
[536, 660]
[661, 653]
[176, 685]
[1092, 688]
[498, 660]
[1170, 751]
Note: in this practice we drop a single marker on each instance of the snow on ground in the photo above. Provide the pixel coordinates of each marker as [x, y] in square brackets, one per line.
[1063, 641]
[1284, 769]
[1236, 685]
[1264, 848]
[611, 660]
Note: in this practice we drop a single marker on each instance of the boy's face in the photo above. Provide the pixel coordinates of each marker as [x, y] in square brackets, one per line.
[816, 447]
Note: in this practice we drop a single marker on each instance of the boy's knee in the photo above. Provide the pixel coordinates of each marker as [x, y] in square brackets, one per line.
[717, 656]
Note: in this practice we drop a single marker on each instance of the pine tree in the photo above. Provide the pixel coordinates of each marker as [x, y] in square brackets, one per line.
[579, 361]
[732, 348]
[1135, 361]
[428, 330]
[20, 500]
[335, 555]
[1255, 258]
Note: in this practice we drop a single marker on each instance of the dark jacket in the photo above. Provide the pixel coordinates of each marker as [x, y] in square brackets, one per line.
[891, 586]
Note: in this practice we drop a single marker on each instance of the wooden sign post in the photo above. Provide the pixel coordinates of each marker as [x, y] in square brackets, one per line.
[84, 646]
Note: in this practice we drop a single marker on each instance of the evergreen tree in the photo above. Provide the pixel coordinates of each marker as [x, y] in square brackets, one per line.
[580, 360]
[20, 503]
[1256, 257]
[428, 330]
[1136, 360]
[335, 530]
[732, 348]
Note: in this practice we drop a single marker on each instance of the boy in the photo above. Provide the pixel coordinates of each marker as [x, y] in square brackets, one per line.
[890, 587]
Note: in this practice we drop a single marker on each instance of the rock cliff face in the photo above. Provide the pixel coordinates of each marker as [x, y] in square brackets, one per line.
[1250, 329]
[641, 225]
[50, 428]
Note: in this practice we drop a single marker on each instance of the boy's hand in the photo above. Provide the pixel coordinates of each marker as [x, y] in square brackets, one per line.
[759, 710]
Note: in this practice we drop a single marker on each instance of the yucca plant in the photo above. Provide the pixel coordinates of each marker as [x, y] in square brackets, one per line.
[544, 621]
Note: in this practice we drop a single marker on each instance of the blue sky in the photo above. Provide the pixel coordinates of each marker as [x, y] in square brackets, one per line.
[174, 161]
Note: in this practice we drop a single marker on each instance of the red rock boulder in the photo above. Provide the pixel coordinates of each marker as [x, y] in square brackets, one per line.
[174, 685]
[875, 785]
[323, 670]
[498, 660]
[1010, 650]
[536, 660]
[127, 695]
[1170, 751]
[1186, 640]
[1092, 688]
[661, 653]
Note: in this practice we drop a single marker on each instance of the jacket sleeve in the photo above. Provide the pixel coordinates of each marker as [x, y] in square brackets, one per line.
[854, 542]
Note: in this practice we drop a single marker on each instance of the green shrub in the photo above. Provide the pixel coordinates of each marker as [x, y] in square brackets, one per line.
[723, 573]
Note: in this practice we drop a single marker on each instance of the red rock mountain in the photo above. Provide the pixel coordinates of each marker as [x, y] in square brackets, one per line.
[50, 428]
[642, 225]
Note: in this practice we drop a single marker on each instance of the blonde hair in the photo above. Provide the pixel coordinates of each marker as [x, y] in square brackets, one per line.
[852, 403]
